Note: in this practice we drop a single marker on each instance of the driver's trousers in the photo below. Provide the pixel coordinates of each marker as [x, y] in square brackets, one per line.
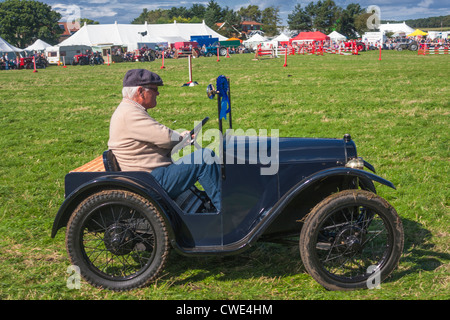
[201, 165]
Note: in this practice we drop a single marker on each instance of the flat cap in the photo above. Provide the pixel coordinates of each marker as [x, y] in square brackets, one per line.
[141, 77]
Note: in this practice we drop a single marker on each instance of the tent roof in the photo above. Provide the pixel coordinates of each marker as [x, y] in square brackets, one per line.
[336, 35]
[6, 47]
[255, 38]
[396, 27]
[281, 37]
[417, 32]
[130, 34]
[234, 39]
[310, 36]
[38, 45]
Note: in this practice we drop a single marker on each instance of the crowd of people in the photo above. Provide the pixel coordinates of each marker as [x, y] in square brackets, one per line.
[11, 61]
[392, 43]
[148, 54]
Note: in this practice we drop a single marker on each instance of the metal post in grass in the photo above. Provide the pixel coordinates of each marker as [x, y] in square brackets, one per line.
[218, 54]
[191, 83]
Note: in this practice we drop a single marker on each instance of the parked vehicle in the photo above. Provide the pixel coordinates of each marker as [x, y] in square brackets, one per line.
[80, 59]
[222, 46]
[406, 44]
[26, 63]
[96, 58]
[41, 62]
[121, 225]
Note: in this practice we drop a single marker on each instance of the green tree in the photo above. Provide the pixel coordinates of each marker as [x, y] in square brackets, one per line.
[198, 10]
[345, 24]
[24, 21]
[250, 13]
[232, 21]
[325, 15]
[213, 14]
[299, 19]
[270, 17]
[88, 21]
[361, 22]
[153, 16]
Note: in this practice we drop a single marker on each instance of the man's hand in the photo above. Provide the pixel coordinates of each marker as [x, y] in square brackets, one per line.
[186, 133]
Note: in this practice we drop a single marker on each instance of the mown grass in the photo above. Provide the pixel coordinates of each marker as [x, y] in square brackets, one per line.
[397, 111]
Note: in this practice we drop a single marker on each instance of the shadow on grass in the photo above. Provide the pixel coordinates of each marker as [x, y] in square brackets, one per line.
[272, 260]
[419, 253]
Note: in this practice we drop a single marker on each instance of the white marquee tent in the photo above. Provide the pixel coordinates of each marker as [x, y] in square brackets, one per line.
[396, 28]
[253, 42]
[129, 35]
[38, 45]
[5, 47]
[336, 36]
[280, 38]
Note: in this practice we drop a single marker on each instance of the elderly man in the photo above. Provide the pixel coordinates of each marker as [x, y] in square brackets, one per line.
[140, 143]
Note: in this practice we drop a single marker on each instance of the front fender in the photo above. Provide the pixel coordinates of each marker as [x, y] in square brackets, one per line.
[281, 218]
[327, 173]
[134, 182]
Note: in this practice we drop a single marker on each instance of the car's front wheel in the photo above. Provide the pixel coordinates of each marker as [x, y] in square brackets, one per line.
[352, 239]
[118, 240]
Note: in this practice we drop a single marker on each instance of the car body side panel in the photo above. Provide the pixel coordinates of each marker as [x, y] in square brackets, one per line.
[249, 194]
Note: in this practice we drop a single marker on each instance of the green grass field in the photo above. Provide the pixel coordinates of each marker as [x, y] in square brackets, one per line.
[397, 111]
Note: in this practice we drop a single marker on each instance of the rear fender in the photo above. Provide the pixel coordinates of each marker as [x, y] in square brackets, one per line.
[129, 182]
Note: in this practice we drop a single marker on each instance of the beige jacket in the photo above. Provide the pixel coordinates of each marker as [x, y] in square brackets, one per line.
[139, 142]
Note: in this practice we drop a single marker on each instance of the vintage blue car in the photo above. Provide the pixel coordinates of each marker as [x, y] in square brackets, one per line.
[121, 225]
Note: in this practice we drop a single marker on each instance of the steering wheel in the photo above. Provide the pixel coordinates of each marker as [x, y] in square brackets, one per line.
[192, 132]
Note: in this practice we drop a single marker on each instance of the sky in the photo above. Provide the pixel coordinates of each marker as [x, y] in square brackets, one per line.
[124, 11]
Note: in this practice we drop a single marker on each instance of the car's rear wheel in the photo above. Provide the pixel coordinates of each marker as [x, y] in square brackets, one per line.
[118, 240]
[351, 240]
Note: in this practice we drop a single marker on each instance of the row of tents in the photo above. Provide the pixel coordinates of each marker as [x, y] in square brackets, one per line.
[283, 39]
[6, 47]
[127, 37]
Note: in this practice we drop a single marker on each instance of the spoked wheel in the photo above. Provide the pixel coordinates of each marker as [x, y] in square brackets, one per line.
[350, 240]
[118, 240]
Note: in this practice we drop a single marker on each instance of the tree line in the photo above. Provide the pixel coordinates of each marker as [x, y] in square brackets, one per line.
[323, 16]
[24, 21]
[430, 22]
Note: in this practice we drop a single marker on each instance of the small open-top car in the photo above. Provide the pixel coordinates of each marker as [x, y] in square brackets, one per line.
[121, 225]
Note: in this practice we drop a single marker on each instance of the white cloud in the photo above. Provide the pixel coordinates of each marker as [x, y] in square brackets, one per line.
[425, 3]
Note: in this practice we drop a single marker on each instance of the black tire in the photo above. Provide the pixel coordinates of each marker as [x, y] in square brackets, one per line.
[223, 51]
[351, 239]
[118, 240]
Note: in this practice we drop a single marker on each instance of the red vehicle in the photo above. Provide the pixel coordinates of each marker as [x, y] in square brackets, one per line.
[352, 44]
[26, 63]
[81, 59]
